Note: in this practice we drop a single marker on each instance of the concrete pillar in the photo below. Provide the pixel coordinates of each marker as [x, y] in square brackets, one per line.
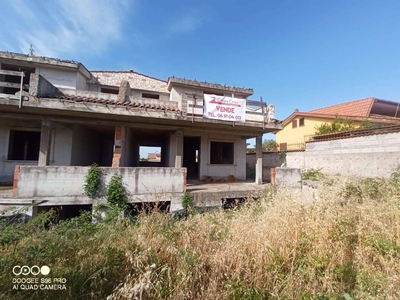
[183, 105]
[179, 149]
[259, 166]
[119, 138]
[45, 140]
[33, 210]
[124, 91]
[15, 181]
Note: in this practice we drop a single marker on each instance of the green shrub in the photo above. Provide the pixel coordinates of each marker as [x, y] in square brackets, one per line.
[282, 156]
[383, 246]
[396, 174]
[372, 187]
[92, 181]
[187, 201]
[270, 146]
[116, 194]
[337, 125]
[312, 174]
[352, 190]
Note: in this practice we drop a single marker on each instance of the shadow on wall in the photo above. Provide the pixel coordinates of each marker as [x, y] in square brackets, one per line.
[250, 171]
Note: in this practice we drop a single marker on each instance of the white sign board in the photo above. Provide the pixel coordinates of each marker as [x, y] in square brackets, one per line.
[224, 108]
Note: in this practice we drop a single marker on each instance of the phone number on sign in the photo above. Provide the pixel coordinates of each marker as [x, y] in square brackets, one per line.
[230, 117]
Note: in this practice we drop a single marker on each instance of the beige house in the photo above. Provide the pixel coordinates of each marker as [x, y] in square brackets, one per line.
[299, 127]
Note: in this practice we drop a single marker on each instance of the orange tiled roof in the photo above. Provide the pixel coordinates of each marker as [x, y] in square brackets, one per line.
[357, 108]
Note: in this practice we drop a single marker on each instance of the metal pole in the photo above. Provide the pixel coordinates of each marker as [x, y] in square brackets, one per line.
[193, 105]
[20, 91]
[233, 124]
[263, 115]
[396, 110]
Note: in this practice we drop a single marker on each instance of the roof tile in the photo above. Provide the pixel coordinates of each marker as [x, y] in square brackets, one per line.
[357, 108]
[75, 98]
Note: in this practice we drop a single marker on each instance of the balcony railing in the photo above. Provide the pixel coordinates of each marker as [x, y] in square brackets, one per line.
[256, 111]
[17, 87]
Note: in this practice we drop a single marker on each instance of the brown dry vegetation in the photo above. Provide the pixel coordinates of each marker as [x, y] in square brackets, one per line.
[346, 244]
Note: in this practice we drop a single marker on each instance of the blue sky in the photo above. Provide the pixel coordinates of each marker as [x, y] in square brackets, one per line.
[295, 54]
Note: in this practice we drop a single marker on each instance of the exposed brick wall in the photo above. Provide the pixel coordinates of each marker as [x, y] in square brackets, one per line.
[15, 182]
[116, 160]
[117, 147]
[118, 133]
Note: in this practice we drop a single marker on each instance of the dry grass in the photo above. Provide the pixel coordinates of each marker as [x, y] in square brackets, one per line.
[275, 248]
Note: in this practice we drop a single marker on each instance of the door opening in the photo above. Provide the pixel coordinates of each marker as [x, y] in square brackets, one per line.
[191, 156]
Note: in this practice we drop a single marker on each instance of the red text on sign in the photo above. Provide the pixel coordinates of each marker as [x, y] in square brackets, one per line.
[226, 109]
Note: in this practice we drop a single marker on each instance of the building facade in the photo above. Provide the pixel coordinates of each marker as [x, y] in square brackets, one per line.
[57, 113]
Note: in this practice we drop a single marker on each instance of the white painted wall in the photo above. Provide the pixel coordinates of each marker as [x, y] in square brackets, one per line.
[136, 93]
[60, 149]
[59, 78]
[7, 166]
[61, 146]
[81, 82]
[93, 88]
[238, 169]
[176, 91]
[141, 184]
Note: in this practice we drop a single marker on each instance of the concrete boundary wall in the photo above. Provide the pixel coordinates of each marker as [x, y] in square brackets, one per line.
[270, 160]
[365, 156]
[288, 177]
[64, 182]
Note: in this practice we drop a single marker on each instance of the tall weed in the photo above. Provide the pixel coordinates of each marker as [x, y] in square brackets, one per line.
[344, 246]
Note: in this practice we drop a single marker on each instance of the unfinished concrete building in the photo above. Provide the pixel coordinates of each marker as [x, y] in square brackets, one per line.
[57, 118]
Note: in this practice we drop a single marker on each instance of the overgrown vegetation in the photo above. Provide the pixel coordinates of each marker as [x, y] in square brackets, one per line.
[267, 146]
[92, 181]
[312, 174]
[339, 125]
[270, 146]
[187, 201]
[116, 194]
[344, 246]
[282, 156]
